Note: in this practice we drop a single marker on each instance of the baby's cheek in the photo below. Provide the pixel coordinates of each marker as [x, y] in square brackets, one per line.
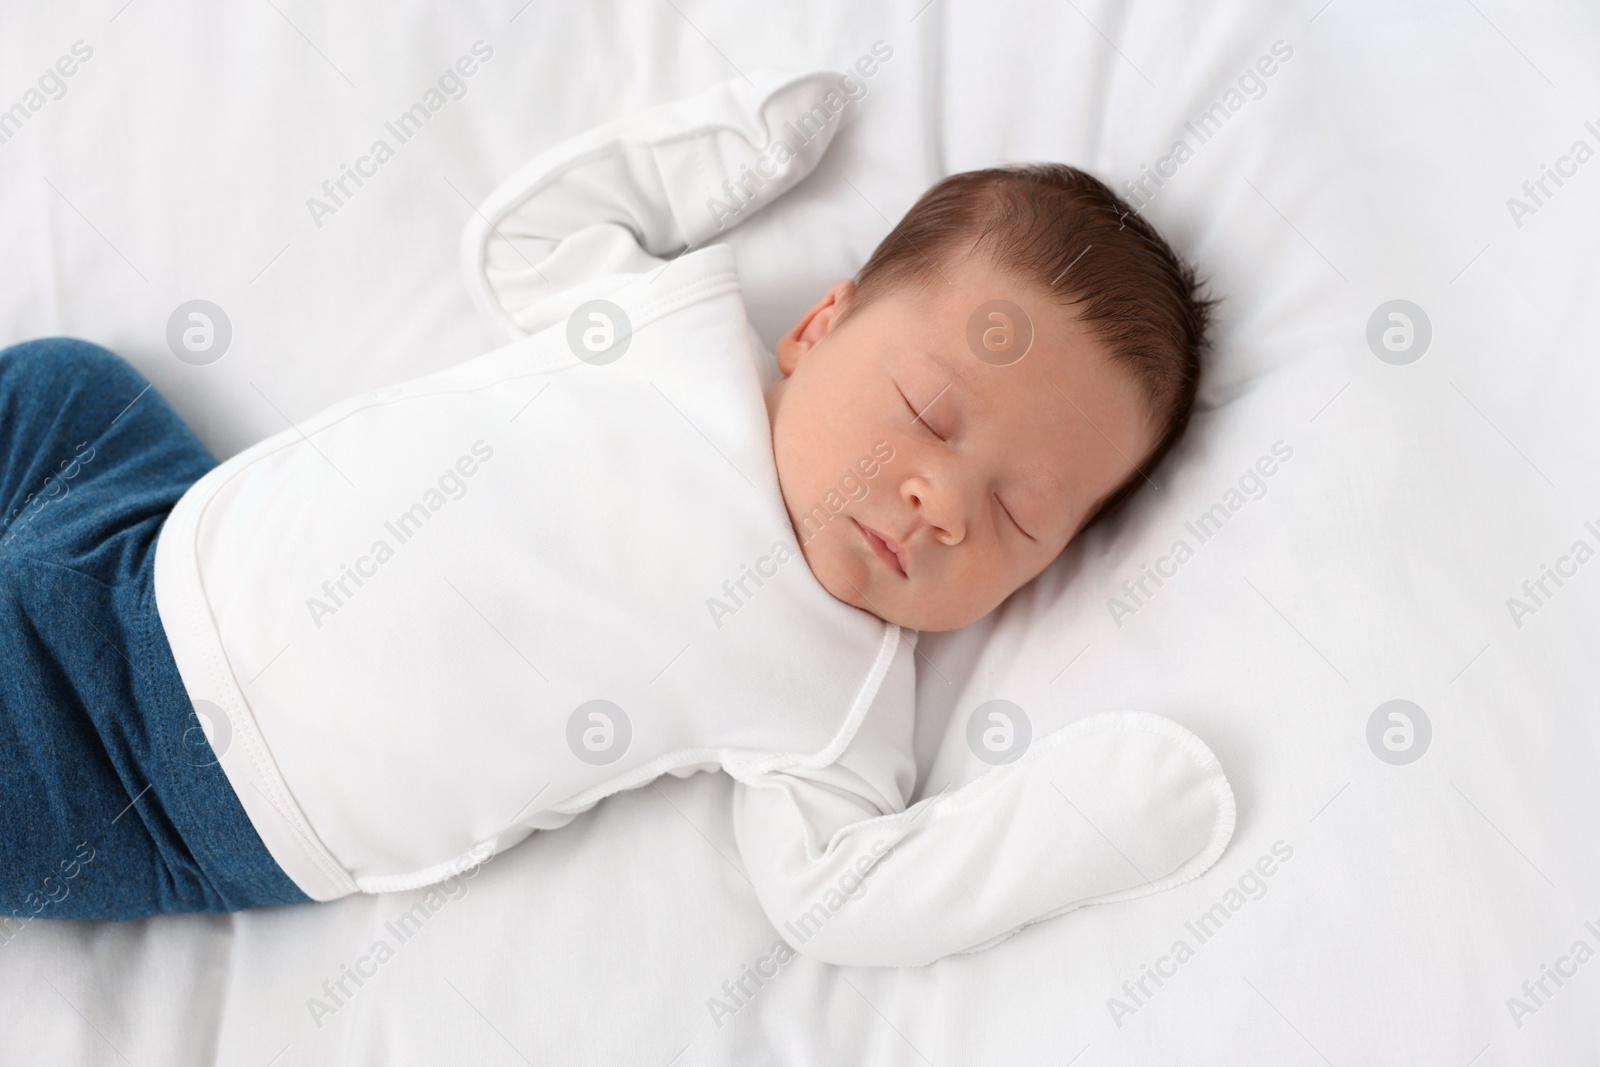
[838, 570]
[998, 575]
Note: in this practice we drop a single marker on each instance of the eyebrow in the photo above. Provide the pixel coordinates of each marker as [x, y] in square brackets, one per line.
[963, 374]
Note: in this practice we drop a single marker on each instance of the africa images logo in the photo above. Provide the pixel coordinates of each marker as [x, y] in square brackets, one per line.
[451, 86]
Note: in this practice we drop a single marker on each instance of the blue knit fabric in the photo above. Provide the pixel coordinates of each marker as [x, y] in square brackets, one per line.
[112, 804]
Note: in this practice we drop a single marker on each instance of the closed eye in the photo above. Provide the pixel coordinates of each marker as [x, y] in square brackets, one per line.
[916, 416]
[1013, 518]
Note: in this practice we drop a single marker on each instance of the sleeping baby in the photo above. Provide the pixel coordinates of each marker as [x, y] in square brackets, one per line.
[374, 650]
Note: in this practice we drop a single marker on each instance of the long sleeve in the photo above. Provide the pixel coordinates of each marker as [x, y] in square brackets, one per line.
[1112, 807]
[627, 196]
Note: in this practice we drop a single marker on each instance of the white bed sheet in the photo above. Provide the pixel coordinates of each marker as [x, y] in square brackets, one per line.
[1376, 565]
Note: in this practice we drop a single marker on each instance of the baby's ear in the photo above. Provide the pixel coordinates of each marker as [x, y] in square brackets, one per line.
[815, 324]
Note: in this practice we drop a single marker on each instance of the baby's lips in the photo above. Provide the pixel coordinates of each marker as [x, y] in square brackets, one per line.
[902, 554]
[885, 549]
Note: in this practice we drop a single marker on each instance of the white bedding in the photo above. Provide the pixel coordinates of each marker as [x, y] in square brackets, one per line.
[1375, 563]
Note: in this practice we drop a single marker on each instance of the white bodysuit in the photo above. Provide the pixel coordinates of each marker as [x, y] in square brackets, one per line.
[444, 615]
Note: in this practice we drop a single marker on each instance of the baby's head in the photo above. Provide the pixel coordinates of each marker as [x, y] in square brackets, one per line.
[1013, 358]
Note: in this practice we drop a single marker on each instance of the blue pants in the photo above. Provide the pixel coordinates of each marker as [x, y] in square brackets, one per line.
[112, 804]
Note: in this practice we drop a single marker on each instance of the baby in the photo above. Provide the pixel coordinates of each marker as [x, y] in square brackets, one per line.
[370, 652]
[1027, 346]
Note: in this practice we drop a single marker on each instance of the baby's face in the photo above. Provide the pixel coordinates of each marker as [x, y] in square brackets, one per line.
[995, 465]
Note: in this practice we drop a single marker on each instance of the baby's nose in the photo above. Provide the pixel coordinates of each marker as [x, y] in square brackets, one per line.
[940, 504]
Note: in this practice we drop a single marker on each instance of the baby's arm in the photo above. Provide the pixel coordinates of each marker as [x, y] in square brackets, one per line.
[625, 197]
[1112, 807]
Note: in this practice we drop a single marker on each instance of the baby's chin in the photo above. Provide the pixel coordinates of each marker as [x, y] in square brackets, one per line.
[849, 579]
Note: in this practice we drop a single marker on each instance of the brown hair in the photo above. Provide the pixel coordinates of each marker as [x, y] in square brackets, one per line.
[1068, 233]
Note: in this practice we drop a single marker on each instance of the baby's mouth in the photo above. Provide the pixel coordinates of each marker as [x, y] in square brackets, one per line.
[887, 550]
